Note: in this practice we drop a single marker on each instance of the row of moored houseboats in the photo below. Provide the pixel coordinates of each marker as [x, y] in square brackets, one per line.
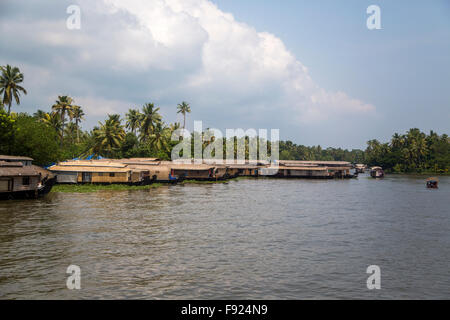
[20, 178]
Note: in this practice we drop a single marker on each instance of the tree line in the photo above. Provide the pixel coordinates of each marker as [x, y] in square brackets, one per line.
[56, 134]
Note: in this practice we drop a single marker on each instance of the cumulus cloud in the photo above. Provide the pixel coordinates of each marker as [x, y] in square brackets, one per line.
[135, 51]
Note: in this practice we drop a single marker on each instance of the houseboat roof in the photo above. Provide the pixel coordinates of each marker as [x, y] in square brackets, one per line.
[90, 168]
[15, 158]
[18, 171]
[144, 159]
[92, 163]
[11, 164]
[376, 168]
[433, 179]
[303, 168]
[194, 167]
[139, 162]
[242, 166]
[303, 162]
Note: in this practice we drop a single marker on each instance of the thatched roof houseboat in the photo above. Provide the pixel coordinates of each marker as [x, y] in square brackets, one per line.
[19, 178]
[98, 171]
[184, 171]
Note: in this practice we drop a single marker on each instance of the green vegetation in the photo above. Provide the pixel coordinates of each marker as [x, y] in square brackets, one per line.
[88, 188]
[57, 135]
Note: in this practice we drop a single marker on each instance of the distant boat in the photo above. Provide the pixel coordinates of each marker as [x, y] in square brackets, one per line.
[360, 168]
[376, 172]
[432, 183]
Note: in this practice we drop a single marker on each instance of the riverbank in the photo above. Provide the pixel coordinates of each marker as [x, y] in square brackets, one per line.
[88, 188]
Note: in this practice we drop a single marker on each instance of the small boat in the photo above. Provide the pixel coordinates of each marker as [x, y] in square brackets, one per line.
[432, 183]
[360, 168]
[376, 172]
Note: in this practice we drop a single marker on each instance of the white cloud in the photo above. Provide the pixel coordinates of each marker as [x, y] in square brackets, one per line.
[135, 51]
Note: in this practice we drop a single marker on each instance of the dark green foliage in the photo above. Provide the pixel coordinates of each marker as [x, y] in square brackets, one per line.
[34, 139]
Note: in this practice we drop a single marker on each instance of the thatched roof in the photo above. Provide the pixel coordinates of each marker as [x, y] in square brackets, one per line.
[303, 168]
[14, 158]
[192, 167]
[322, 163]
[90, 168]
[433, 179]
[92, 163]
[27, 171]
[139, 162]
[11, 164]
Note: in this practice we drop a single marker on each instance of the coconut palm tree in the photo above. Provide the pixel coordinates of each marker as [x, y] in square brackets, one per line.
[40, 114]
[10, 79]
[107, 138]
[78, 116]
[62, 106]
[184, 108]
[53, 120]
[150, 118]
[134, 118]
[158, 139]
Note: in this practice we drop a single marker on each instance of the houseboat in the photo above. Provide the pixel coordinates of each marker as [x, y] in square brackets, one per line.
[199, 172]
[376, 172]
[432, 183]
[158, 171]
[19, 178]
[98, 172]
[360, 168]
[314, 169]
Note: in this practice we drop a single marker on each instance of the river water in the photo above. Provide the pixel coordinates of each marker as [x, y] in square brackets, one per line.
[248, 239]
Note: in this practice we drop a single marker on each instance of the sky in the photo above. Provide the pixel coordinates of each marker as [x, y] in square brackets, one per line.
[311, 69]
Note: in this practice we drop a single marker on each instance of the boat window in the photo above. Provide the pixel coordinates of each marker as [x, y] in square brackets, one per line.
[26, 181]
[112, 174]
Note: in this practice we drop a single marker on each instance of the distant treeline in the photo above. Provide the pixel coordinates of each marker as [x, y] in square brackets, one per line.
[413, 152]
[57, 135]
[40, 136]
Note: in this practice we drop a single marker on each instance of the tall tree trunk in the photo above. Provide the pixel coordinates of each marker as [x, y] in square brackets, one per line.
[62, 127]
[78, 131]
[184, 120]
[9, 108]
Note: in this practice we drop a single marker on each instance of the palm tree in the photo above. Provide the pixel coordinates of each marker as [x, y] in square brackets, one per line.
[115, 118]
[78, 116]
[53, 120]
[9, 85]
[184, 108]
[71, 131]
[108, 137]
[150, 118]
[158, 139]
[134, 118]
[40, 114]
[397, 141]
[63, 105]
[174, 126]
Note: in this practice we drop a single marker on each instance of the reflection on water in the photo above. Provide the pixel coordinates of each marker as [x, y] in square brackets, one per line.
[249, 239]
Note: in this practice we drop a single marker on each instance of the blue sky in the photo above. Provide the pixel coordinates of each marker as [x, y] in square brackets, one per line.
[403, 69]
[309, 68]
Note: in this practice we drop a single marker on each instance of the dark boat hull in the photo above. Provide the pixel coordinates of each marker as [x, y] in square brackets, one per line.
[29, 194]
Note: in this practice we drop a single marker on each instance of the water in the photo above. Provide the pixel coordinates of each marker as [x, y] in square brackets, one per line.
[248, 239]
